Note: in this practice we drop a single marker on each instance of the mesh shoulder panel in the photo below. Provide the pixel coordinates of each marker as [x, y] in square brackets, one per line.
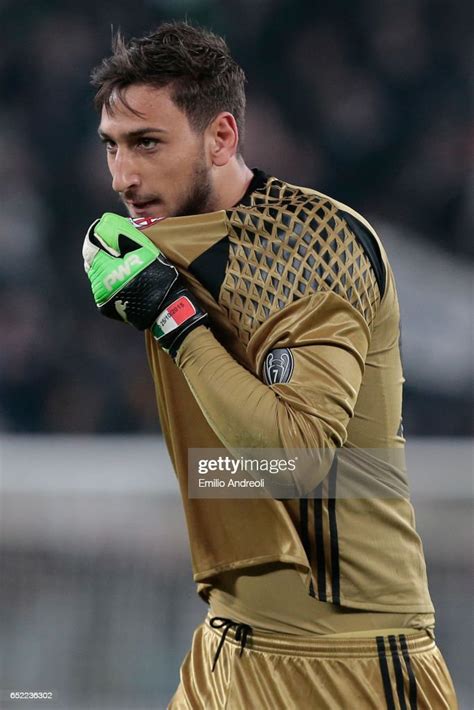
[289, 244]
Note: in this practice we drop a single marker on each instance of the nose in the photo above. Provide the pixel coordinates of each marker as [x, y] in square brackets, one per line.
[124, 173]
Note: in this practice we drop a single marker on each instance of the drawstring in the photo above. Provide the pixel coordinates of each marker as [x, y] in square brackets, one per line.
[241, 633]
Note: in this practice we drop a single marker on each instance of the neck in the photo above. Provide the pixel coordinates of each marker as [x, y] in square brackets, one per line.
[230, 183]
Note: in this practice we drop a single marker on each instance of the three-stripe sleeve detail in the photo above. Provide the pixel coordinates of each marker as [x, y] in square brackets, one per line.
[305, 536]
[411, 675]
[316, 550]
[319, 535]
[398, 672]
[334, 540]
[387, 686]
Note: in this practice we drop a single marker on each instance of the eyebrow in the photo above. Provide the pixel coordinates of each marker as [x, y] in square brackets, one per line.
[130, 135]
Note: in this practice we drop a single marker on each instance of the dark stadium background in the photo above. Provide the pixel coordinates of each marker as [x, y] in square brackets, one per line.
[365, 100]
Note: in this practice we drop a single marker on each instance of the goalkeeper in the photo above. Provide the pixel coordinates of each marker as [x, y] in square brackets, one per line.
[271, 321]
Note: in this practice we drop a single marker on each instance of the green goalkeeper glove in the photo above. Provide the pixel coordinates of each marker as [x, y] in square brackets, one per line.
[134, 282]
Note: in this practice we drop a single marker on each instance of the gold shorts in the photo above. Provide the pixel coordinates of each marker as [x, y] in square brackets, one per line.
[281, 672]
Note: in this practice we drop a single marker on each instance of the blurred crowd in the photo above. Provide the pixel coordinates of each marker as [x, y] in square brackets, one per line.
[361, 99]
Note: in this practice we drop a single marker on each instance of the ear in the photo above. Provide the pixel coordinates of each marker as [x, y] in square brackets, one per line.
[223, 136]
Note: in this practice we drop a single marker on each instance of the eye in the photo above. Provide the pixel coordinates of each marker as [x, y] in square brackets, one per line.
[110, 146]
[148, 143]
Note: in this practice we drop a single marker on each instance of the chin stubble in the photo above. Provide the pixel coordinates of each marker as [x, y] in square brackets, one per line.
[200, 197]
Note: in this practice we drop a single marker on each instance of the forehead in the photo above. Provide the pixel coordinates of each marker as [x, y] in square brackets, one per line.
[147, 106]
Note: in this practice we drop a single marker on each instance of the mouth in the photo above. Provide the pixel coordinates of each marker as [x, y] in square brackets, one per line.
[148, 208]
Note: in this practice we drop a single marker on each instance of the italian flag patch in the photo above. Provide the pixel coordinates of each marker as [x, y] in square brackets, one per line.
[173, 316]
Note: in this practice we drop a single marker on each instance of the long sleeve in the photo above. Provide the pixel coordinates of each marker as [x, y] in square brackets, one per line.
[328, 341]
[291, 272]
[302, 353]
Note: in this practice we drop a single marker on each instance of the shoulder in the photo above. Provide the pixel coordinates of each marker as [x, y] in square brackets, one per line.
[299, 218]
[289, 243]
[334, 217]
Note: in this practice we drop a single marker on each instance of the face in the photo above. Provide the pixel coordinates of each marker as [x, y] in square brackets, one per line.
[157, 160]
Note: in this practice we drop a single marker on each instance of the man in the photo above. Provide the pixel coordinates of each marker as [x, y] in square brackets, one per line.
[272, 323]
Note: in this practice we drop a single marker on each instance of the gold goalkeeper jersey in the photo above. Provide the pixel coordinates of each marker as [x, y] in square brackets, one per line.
[302, 353]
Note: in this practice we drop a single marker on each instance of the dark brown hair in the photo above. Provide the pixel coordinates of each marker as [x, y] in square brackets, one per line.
[195, 63]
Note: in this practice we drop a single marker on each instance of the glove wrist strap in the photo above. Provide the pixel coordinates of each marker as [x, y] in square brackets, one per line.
[181, 313]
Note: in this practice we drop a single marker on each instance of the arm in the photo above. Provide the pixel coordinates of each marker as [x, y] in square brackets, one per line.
[327, 337]
[311, 411]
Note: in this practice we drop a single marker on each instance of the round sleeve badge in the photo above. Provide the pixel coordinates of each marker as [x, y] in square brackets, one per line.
[278, 366]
